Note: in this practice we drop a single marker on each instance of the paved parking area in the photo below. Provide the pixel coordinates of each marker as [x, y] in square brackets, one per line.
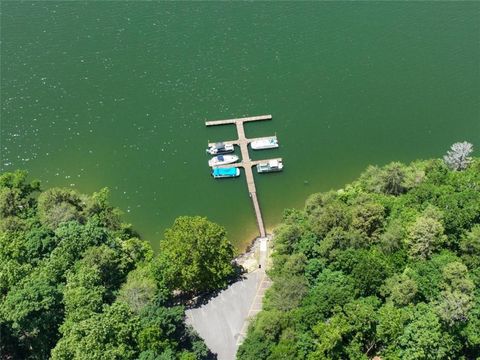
[223, 321]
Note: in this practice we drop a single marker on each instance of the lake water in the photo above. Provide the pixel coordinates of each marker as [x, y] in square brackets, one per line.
[115, 94]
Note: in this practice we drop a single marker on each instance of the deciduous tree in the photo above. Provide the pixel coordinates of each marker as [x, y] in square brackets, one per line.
[424, 338]
[425, 236]
[195, 255]
[470, 246]
[457, 157]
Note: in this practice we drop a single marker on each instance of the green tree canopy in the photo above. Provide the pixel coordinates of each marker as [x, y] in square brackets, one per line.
[77, 283]
[195, 256]
[386, 267]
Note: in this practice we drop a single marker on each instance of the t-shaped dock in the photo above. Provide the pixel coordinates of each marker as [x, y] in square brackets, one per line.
[246, 162]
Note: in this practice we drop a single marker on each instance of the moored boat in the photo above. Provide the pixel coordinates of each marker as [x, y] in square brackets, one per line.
[220, 148]
[270, 166]
[222, 160]
[220, 173]
[266, 143]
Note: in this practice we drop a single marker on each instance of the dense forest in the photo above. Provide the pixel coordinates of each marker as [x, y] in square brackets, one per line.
[77, 283]
[386, 268]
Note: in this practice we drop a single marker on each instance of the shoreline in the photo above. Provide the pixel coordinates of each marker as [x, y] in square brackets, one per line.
[250, 258]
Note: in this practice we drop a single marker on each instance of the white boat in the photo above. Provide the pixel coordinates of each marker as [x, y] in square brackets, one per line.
[222, 160]
[270, 166]
[266, 143]
[220, 173]
[220, 148]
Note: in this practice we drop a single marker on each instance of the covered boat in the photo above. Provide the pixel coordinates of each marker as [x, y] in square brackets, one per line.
[219, 173]
[220, 148]
[222, 160]
[266, 143]
[270, 166]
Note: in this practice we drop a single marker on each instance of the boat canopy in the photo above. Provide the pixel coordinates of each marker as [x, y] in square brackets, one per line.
[220, 158]
[220, 145]
[225, 171]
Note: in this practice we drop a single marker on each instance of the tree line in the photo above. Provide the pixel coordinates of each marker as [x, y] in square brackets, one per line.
[78, 283]
[386, 268]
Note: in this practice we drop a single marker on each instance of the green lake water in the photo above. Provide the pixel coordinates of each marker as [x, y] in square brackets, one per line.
[115, 94]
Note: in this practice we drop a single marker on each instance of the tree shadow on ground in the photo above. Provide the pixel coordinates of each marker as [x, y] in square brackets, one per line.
[194, 337]
[239, 273]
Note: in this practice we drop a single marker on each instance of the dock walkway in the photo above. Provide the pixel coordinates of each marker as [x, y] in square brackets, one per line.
[246, 162]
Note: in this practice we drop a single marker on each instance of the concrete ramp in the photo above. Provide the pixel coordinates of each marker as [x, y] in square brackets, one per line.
[222, 320]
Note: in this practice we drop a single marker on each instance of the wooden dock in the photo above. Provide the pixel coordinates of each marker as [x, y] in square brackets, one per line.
[240, 120]
[246, 162]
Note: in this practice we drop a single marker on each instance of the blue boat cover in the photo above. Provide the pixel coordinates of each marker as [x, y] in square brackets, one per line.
[220, 157]
[225, 171]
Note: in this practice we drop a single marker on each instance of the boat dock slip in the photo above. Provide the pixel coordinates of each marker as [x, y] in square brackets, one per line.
[246, 162]
[250, 163]
[238, 142]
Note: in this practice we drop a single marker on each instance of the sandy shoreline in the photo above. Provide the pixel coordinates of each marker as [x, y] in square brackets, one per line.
[249, 260]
